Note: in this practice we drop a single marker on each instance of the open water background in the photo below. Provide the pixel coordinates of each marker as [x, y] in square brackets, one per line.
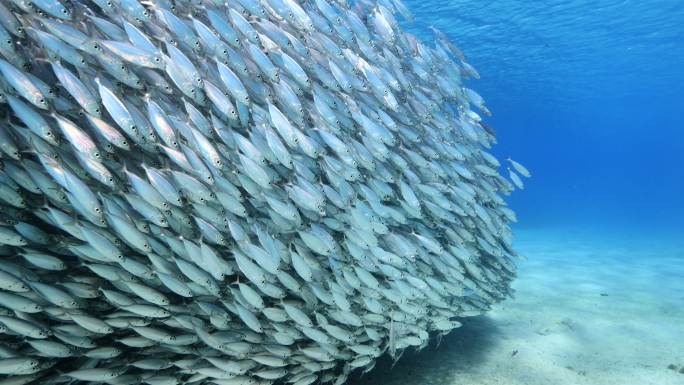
[589, 95]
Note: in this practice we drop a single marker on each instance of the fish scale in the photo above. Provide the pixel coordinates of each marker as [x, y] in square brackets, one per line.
[181, 153]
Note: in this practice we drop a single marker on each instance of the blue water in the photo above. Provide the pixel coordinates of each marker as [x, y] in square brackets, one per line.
[588, 95]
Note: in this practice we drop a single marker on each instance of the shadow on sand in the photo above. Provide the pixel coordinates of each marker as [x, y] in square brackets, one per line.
[463, 348]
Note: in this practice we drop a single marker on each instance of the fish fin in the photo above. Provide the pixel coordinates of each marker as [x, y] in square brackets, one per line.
[75, 222]
[397, 358]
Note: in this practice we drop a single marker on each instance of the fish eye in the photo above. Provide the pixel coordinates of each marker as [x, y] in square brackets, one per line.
[97, 210]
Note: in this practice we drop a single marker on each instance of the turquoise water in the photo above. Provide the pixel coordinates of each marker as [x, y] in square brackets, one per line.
[588, 96]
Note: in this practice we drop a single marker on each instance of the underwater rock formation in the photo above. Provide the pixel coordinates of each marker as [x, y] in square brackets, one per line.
[239, 193]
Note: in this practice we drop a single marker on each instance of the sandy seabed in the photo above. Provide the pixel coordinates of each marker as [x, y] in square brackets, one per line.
[590, 308]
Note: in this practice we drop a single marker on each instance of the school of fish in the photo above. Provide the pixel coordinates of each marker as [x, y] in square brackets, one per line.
[241, 192]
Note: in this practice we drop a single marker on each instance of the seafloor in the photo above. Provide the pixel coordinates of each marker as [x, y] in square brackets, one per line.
[594, 307]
